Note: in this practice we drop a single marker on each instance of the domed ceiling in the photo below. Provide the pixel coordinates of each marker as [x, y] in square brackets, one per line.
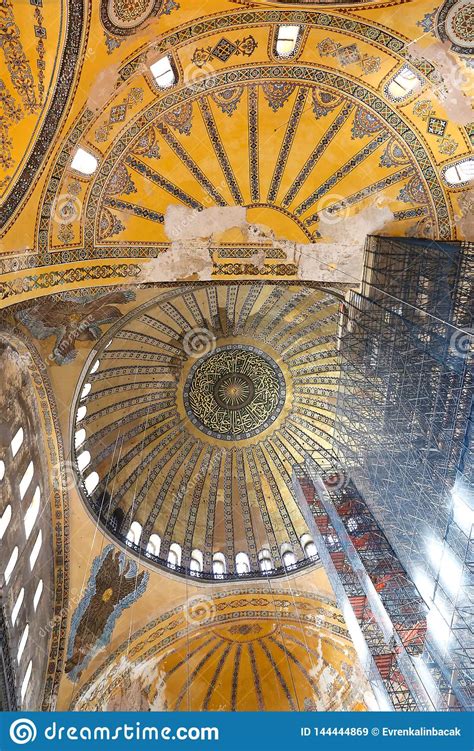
[40, 44]
[291, 141]
[193, 411]
[243, 652]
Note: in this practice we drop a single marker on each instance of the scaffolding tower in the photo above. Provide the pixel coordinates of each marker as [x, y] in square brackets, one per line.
[403, 431]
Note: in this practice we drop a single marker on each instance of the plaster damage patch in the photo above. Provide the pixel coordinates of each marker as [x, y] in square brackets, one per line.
[342, 258]
[182, 223]
[329, 262]
[464, 219]
[189, 260]
[338, 258]
[352, 230]
[103, 86]
[453, 78]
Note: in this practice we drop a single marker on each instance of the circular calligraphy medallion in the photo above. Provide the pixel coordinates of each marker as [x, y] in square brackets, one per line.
[234, 392]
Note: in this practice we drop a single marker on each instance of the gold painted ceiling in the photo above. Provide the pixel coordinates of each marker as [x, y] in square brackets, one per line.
[299, 157]
[239, 652]
[291, 140]
[40, 48]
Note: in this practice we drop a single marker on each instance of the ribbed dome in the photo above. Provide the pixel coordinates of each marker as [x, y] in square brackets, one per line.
[245, 651]
[194, 410]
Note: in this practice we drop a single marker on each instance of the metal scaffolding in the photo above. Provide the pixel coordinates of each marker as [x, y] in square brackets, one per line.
[403, 435]
[383, 611]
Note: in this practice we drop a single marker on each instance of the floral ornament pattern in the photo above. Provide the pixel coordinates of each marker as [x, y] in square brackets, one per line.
[228, 99]
[435, 126]
[223, 50]
[15, 57]
[349, 55]
[277, 92]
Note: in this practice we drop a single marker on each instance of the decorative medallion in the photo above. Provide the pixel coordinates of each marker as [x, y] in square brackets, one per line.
[123, 17]
[455, 24]
[277, 93]
[228, 99]
[325, 102]
[234, 392]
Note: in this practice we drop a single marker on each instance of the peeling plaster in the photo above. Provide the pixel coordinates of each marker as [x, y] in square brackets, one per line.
[184, 261]
[103, 86]
[464, 219]
[182, 223]
[352, 230]
[453, 77]
[341, 260]
[331, 262]
[338, 258]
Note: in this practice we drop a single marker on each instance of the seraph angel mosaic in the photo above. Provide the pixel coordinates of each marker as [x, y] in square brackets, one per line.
[70, 318]
[114, 584]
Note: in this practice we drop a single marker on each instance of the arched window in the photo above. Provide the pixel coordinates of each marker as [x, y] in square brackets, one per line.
[404, 83]
[163, 73]
[460, 173]
[218, 564]
[242, 563]
[196, 564]
[85, 391]
[265, 560]
[22, 643]
[134, 533]
[2, 469]
[308, 546]
[26, 480]
[91, 482]
[5, 520]
[84, 162]
[79, 437]
[81, 413]
[174, 555]
[153, 546]
[37, 595]
[287, 37]
[95, 367]
[26, 680]
[287, 555]
[83, 460]
[11, 564]
[16, 441]
[17, 605]
[36, 549]
[32, 513]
